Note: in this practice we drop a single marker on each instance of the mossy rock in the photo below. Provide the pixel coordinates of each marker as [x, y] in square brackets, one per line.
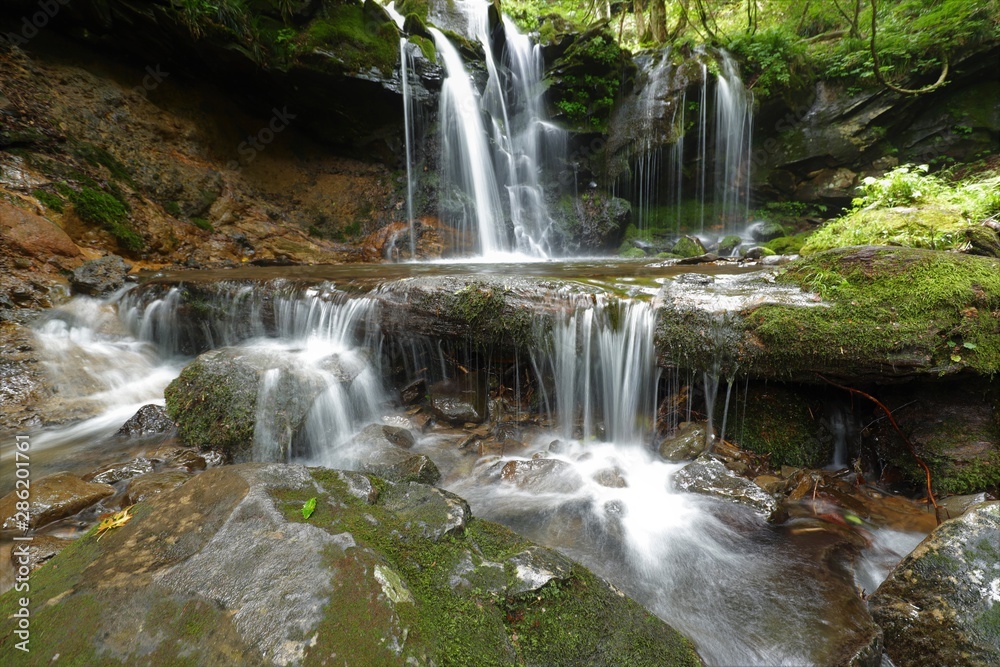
[932, 227]
[229, 569]
[358, 37]
[728, 244]
[887, 313]
[688, 246]
[938, 607]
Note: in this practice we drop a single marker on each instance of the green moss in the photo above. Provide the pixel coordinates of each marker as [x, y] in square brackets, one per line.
[100, 157]
[214, 411]
[359, 38]
[631, 252]
[50, 200]
[586, 80]
[202, 223]
[483, 309]
[426, 47]
[781, 425]
[787, 245]
[893, 306]
[173, 208]
[447, 624]
[934, 227]
[101, 208]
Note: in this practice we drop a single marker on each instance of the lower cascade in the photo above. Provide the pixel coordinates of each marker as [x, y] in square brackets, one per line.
[562, 446]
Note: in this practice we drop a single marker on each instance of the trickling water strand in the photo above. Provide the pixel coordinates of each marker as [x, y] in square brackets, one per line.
[405, 65]
[603, 369]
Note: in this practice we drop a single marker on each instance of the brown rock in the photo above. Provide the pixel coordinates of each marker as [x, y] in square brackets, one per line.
[40, 549]
[147, 486]
[52, 498]
[34, 235]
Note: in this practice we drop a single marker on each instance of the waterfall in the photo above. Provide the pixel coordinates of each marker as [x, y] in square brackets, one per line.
[603, 368]
[718, 175]
[494, 145]
[405, 66]
[733, 137]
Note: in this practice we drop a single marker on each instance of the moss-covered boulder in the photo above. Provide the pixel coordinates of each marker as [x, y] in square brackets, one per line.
[886, 313]
[216, 399]
[688, 246]
[941, 605]
[229, 569]
[781, 422]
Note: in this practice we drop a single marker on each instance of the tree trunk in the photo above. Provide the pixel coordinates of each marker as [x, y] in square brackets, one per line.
[658, 21]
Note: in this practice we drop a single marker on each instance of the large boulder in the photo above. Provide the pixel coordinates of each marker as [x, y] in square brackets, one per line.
[227, 569]
[217, 398]
[941, 605]
[33, 235]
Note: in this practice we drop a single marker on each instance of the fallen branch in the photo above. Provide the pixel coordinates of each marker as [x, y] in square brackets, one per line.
[892, 420]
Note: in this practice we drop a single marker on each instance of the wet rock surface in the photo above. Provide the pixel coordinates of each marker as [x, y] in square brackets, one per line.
[52, 498]
[711, 477]
[98, 277]
[941, 604]
[686, 443]
[149, 420]
[226, 566]
[147, 486]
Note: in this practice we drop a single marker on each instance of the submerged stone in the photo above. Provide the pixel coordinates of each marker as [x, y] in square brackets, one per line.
[149, 420]
[52, 498]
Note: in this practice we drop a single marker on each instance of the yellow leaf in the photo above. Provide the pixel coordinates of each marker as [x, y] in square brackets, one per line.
[116, 520]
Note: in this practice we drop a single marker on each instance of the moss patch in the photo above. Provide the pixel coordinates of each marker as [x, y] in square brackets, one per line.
[896, 309]
[360, 38]
[101, 208]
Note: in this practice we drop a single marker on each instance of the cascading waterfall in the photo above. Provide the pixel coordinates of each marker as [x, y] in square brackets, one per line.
[720, 176]
[604, 374]
[405, 67]
[491, 190]
[733, 138]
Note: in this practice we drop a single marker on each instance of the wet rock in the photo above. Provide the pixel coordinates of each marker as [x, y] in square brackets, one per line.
[686, 444]
[536, 566]
[149, 420]
[116, 472]
[413, 393]
[611, 478]
[38, 551]
[953, 507]
[756, 253]
[34, 235]
[400, 437]
[147, 486]
[373, 451]
[219, 565]
[592, 222]
[766, 231]
[429, 511]
[97, 277]
[539, 475]
[460, 401]
[941, 604]
[216, 400]
[52, 498]
[23, 385]
[729, 244]
[710, 477]
[689, 246]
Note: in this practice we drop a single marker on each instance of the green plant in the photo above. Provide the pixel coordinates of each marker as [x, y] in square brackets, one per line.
[50, 200]
[101, 208]
[202, 223]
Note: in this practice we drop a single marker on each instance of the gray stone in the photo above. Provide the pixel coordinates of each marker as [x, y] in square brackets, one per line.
[97, 277]
[149, 420]
[710, 477]
[941, 604]
[430, 511]
[460, 401]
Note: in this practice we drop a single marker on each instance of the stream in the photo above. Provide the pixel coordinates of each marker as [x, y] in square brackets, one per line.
[587, 480]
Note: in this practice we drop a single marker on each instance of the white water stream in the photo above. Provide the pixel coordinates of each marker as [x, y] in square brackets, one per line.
[746, 592]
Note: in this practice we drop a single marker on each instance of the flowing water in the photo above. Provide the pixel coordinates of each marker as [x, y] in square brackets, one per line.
[745, 591]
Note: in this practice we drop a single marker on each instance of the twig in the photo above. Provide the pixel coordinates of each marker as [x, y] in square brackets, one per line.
[892, 420]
